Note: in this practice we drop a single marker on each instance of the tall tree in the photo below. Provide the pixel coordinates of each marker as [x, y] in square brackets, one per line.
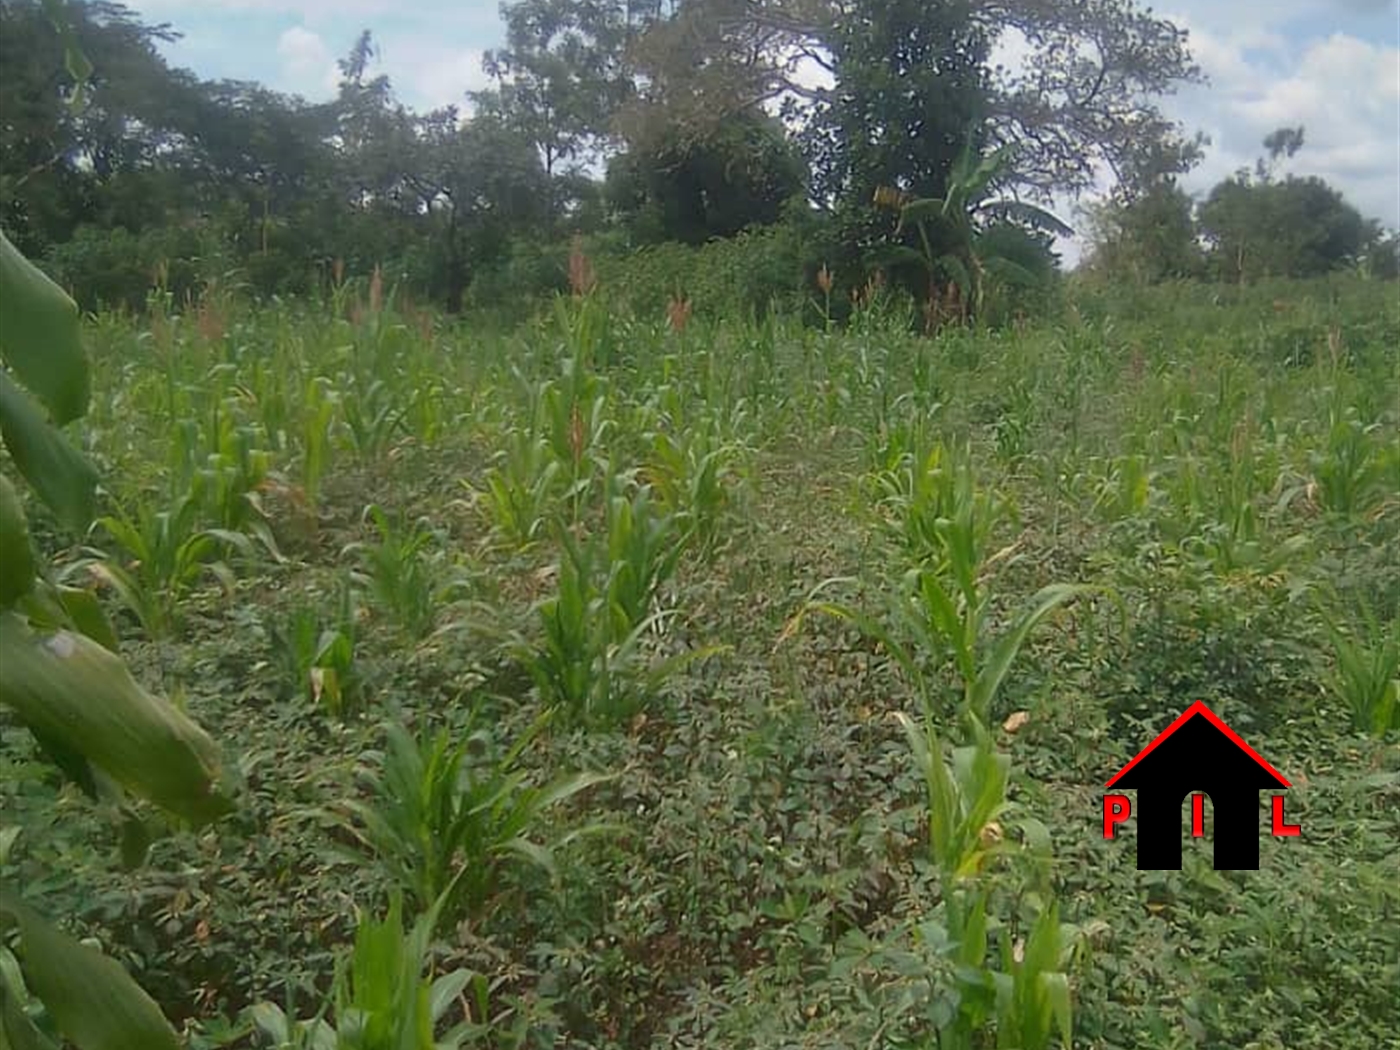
[563, 73]
[475, 186]
[1081, 95]
[1149, 236]
[1084, 93]
[911, 89]
[1297, 227]
[55, 160]
[1260, 226]
[713, 184]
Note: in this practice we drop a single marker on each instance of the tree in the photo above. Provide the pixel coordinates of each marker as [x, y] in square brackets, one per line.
[1298, 227]
[562, 73]
[1085, 92]
[1147, 237]
[692, 188]
[1281, 142]
[1081, 97]
[473, 187]
[911, 86]
[1382, 261]
[57, 161]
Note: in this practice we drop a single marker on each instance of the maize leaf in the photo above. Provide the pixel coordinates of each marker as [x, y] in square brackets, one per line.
[62, 478]
[92, 1000]
[16, 555]
[39, 336]
[69, 688]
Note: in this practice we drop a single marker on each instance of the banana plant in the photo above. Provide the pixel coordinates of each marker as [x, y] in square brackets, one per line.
[950, 228]
[59, 676]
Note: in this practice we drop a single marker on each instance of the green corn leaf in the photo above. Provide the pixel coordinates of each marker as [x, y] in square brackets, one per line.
[84, 609]
[63, 479]
[39, 336]
[1008, 646]
[868, 626]
[131, 594]
[17, 566]
[93, 1001]
[17, 1031]
[68, 687]
[1055, 989]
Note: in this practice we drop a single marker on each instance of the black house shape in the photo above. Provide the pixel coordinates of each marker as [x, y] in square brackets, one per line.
[1198, 752]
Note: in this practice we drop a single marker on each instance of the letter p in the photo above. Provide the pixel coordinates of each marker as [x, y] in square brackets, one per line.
[1116, 809]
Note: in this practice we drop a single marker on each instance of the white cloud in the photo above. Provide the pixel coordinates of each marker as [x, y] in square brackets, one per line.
[1344, 91]
[301, 51]
[1266, 16]
[428, 75]
[425, 74]
[307, 67]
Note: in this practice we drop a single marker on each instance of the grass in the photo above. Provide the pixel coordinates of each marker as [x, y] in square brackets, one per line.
[598, 537]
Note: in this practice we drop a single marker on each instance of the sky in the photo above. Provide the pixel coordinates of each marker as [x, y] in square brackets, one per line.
[1332, 66]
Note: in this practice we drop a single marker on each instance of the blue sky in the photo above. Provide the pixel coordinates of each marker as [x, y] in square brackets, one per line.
[1330, 65]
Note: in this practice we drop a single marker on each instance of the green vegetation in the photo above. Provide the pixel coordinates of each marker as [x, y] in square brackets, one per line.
[711, 621]
[804, 829]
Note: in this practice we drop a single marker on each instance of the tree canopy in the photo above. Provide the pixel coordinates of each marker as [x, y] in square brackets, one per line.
[709, 117]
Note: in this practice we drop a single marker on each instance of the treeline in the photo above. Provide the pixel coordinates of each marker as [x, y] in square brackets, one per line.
[1252, 225]
[690, 131]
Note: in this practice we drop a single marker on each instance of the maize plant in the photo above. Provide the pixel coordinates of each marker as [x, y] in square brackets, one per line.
[452, 814]
[692, 476]
[1366, 675]
[591, 662]
[166, 553]
[315, 657]
[408, 577]
[522, 490]
[385, 996]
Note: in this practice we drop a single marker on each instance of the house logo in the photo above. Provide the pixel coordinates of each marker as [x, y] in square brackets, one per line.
[1199, 755]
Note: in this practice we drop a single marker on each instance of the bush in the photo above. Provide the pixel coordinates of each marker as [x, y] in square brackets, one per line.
[745, 275]
[117, 269]
[529, 274]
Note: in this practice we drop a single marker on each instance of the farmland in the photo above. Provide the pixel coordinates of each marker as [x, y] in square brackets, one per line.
[687, 680]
